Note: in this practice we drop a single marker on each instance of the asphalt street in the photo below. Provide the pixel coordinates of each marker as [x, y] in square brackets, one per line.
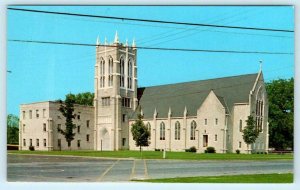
[37, 168]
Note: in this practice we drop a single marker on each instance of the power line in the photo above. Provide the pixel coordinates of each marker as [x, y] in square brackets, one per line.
[154, 48]
[152, 21]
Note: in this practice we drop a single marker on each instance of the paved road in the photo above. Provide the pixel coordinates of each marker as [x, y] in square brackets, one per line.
[79, 169]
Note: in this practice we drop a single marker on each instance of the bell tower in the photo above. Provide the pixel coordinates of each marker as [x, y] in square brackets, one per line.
[115, 93]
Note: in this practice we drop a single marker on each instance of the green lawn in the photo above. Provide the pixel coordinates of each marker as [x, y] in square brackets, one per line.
[256, 178]
[159, 155]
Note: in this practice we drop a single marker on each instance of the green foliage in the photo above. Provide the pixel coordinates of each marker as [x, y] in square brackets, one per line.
[281, 113]
[140, 133]
[238, 151]
[67, 109]
[210, 150]
[85, 98]
[250, 132]
[191, 149]
[31, 148]
[12, 129]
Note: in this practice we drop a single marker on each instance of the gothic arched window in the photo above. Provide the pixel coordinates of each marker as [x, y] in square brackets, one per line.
[162, 131]
[110, 71]
[241, 126]
[177, 130]
[102, 72]
[122, 72]
[193, 130]
[129, 78]
[149, 129]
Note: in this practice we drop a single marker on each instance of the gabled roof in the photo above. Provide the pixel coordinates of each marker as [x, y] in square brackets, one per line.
[191, 95]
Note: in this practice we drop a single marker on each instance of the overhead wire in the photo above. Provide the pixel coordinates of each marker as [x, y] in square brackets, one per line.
[153, 21]
[154, 48]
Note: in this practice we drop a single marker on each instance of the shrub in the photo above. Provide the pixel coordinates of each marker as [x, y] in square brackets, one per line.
[157, 149]
[238, 151]
[205, 151]
[192, 149]
[31, 148]
[210, 149]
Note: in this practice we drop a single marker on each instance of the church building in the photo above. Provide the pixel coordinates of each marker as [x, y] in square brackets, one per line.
[200, 114]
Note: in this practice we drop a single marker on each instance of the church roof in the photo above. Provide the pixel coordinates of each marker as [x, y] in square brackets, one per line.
[229, 90]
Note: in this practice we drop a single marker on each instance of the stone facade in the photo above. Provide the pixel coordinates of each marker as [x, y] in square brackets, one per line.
[39, 123]
[199, 113]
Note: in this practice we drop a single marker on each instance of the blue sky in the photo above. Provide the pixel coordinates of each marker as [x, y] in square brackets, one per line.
[48, 72]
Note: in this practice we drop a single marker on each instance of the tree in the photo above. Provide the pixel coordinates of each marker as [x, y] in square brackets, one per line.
[67, 109]
[281, 113]
[140, 133]
[12, 129]
[85, 98]
[250, 133]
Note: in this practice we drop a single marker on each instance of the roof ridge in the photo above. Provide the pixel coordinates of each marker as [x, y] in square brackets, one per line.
[211, 79]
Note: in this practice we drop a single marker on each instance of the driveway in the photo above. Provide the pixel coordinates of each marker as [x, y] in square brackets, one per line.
[32, 168]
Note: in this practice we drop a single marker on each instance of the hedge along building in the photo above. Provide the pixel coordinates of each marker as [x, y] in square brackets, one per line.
[199, 113]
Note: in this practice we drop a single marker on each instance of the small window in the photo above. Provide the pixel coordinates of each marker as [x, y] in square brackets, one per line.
[123, 141]
[24, 128]
[88, 138]
[58, 127]
[87, 123]
[78, 129]
[205, 121]
[78, 143]
[216, 121]
[30, 114]
[45, 143]
[44, 127]
[105, 101]
[240, 144]
[24, 142]
[37, 114]
[78, 116]
[30, 142]
[44, 113]
[59, 142]
[216, 137]
[37, 142]
[126, 102]
[23, 114]
[124, 117]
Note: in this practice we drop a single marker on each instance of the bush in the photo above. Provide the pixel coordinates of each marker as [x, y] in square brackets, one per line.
[238, 151]
[31, 148]
[210, 149]
[157, 149]
[192, 149]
